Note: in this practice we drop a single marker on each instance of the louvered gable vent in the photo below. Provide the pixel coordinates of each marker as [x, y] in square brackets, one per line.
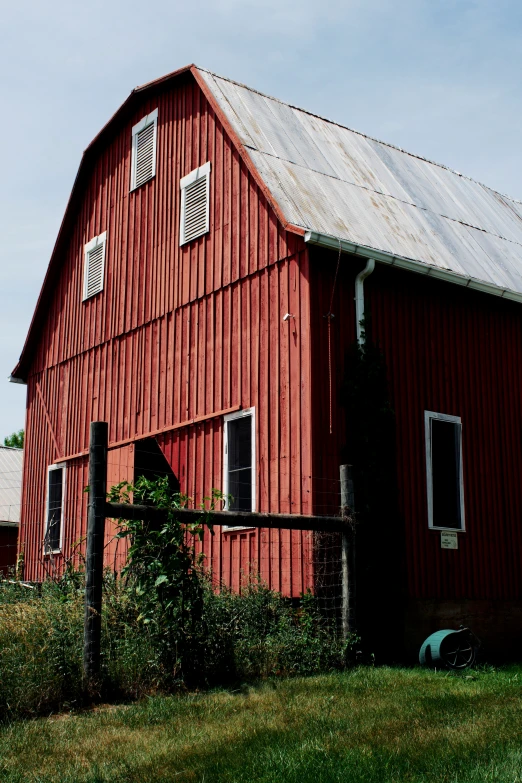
[144, 150]
[195, 189]
[94, 266]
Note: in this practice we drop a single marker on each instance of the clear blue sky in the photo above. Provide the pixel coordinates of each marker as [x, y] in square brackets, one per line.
[438, 78]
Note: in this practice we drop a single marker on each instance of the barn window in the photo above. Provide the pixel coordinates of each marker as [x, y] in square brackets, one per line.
[143, 162]
[444, 471]
[94, 266]
[195, 197]
[239, 461]
[54, 510]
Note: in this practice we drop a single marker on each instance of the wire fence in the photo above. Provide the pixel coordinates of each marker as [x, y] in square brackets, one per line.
[290, 562]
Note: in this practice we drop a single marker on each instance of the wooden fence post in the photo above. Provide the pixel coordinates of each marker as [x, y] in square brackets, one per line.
[95, 543]
[347, 553]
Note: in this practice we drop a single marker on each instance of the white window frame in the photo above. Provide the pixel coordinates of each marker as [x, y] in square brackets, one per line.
[199, 173]
[428, 417]
[58, 466]
[228, 418]
[149, 119]
[94, 242]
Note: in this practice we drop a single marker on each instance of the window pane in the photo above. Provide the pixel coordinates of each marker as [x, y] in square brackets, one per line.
[240, 443]
[240, 487]
[54, 518]
[240, 463]
[445, 467]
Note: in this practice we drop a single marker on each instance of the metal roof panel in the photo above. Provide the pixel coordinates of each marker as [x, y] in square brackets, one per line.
[11, 461]
[332, 180]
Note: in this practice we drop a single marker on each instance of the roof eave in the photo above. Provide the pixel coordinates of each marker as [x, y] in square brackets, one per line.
[15, 378]
[383, 257]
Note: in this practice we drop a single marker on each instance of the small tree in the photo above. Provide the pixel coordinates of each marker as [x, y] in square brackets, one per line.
[15, 441]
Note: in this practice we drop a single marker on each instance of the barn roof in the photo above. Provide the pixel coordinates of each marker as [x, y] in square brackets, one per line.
[342, 189]
[339, 184]
[10, 484]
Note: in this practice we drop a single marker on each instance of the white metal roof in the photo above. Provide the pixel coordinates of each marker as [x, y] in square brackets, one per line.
[334, 181]
[10, 484]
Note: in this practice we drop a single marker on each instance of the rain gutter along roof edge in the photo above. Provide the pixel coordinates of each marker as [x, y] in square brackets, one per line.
[334, 243]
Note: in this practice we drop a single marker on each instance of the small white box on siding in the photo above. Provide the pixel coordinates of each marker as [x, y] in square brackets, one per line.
[449, 541]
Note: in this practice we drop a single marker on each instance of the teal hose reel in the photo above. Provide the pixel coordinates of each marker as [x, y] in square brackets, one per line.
[449, 649]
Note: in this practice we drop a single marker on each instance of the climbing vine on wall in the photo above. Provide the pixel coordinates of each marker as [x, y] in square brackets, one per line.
[370, 418]
[371, 450]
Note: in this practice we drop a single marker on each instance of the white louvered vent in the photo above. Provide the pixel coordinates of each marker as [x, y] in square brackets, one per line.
[94, 266]
[144, 150]
[195, 190]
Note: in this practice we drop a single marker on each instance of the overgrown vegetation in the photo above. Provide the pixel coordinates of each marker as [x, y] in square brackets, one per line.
[238, 638]
[164, 626]
[363, 726]
[164, 575]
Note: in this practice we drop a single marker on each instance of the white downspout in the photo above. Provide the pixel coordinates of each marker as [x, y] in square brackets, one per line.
[359, 297]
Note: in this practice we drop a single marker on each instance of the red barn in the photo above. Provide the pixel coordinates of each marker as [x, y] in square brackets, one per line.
[204, 296]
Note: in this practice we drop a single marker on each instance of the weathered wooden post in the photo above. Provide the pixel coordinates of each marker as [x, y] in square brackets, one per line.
[347, 553]
[95, 544]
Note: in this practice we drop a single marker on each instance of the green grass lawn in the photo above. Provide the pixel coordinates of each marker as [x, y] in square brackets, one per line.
[371, 725]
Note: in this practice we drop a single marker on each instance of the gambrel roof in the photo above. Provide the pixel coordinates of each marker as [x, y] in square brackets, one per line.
[340, 188]
[335, 182]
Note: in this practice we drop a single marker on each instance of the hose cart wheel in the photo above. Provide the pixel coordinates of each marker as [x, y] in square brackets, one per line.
[449, 649]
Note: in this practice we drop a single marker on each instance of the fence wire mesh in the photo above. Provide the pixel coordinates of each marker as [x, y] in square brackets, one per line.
[290, 562]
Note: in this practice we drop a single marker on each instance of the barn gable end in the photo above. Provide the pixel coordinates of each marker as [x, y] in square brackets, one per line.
[180, 335]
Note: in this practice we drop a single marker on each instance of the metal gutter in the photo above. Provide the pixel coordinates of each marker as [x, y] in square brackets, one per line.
[331, 242]
[359, 298]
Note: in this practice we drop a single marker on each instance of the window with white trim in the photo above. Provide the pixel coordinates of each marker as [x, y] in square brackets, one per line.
[444, 471]
[144, 141]
[239, 461]
[195, 207]
[94, 266]
[54, 508]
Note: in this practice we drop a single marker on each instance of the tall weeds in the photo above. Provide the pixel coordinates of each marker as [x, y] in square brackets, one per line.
[40, 649]
[239, 637]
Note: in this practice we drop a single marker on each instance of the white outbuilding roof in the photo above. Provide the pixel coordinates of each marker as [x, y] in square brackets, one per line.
[10, 484]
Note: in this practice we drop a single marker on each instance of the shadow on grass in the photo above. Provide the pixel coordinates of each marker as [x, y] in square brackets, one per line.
[368, 726]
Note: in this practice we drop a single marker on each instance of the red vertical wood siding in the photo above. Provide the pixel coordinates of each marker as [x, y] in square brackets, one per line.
[177, 334]
[450, 350]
